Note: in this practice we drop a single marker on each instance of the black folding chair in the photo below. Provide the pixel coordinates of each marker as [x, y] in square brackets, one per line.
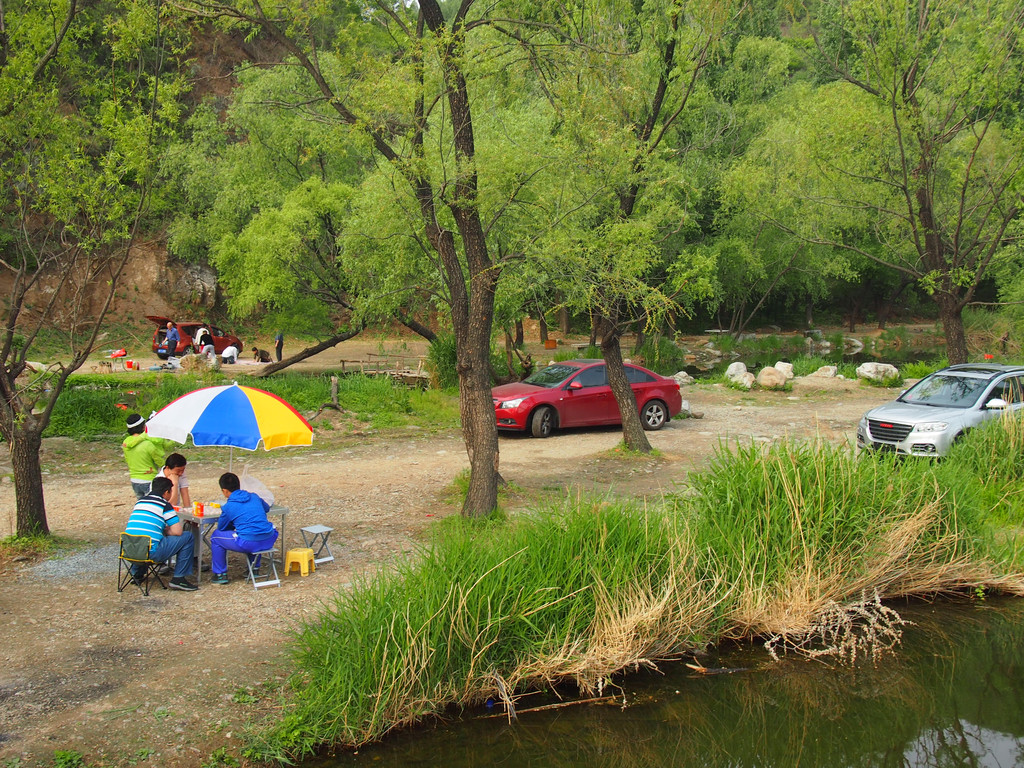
[135, 552]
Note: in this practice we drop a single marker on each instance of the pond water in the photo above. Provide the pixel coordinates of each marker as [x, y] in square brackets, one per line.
[952, 695]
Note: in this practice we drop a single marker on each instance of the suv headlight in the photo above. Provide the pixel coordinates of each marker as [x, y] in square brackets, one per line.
[510, 403]
[932, 426]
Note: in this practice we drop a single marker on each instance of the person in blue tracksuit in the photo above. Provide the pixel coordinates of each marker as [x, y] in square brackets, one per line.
[243, 526]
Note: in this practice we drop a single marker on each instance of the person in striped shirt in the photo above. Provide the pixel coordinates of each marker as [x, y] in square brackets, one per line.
[154, 516]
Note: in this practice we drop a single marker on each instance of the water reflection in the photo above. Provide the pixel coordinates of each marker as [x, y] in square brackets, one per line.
[952, 696]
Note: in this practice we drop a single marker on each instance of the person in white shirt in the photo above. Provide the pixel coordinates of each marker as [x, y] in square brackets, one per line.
[174, 470]
[230, 355]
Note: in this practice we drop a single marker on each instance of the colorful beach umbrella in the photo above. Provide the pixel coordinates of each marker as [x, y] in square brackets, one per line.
[235, 416]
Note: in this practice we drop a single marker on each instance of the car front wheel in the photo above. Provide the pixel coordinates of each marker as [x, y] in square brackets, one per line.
[654, 415]
[542, 422]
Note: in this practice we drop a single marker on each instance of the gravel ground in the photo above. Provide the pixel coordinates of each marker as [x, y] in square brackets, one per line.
[114, 675]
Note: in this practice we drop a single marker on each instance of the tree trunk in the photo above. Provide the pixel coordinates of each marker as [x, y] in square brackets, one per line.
[479, 429]
[633, 434]
[953, 326]
[508, 356]
[564, 321]
[417, 327]
[888, 301]
[809, 313]
[266, 370]
[28, 480]
[543, 324]
[593, 329]
[519, 334]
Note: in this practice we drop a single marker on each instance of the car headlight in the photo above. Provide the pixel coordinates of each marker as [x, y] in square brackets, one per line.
[932, 426]
[511, 403]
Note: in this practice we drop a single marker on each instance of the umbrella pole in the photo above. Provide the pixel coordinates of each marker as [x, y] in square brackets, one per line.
[231, 458]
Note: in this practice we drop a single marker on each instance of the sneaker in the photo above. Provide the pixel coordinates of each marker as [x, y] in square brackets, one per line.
[183, 584]
[220, 578]
[165, 570]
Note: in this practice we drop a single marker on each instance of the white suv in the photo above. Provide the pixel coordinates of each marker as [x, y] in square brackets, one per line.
[930, 416]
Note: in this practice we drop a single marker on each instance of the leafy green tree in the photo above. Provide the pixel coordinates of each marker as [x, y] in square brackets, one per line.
[411, 86]
[640, 77]
[918, 142]
[270, 208]
[80, 117]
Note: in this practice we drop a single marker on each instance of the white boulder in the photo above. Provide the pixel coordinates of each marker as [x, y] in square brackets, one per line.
[771, 378]
[735, 370]
[682, 378]
[877, 371]
[826, 372]
[785, 368]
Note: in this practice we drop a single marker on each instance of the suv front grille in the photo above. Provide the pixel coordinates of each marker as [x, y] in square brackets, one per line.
[887, 430]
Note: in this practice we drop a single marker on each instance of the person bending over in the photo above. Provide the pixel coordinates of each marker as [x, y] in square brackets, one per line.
[174, 470]
[243, 526]
[154, 516]
[260, 355]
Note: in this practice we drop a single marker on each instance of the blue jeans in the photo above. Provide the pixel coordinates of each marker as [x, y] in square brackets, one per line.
[141, 488]
[175, 545]
[222, 541]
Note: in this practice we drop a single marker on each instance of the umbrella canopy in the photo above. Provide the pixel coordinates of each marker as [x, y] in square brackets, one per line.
[240, 417]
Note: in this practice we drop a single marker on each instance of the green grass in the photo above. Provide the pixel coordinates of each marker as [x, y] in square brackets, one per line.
[921, 369]
[763, 544]
[489, 608]
[96, 406]
[804, 365]
[33, 547]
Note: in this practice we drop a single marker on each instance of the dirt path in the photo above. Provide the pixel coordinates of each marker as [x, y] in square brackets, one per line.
[165, 680]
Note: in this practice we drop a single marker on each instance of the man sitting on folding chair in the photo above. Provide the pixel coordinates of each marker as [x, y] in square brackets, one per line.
[154, 516]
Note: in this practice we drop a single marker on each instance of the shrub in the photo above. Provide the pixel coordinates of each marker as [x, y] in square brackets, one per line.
[441, 362]
[661, 355]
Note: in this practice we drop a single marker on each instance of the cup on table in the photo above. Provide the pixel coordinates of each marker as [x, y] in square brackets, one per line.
[198, 507]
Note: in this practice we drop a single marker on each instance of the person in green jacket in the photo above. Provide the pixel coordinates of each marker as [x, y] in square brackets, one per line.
[144, 455]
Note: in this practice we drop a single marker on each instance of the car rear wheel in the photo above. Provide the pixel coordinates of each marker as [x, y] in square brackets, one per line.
[543, 422]
[654, 415]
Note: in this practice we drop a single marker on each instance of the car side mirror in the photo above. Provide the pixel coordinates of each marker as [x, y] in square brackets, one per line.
[996, 403]
[575, 385]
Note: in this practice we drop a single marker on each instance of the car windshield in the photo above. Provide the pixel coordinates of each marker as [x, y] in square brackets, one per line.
[551, 376]
[945, 391]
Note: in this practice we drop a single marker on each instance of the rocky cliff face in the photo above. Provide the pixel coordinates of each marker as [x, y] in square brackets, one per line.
[153, 283]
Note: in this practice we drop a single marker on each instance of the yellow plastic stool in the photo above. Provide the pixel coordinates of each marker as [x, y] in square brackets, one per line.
[302, 558]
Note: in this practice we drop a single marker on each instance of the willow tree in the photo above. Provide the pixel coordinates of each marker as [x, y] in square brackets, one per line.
[79, 120]
[266, 193]
[639, 78]
[406, 80]
[913, 156]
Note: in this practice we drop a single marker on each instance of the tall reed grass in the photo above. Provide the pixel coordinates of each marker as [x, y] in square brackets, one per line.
[577, 592]
[766, 543]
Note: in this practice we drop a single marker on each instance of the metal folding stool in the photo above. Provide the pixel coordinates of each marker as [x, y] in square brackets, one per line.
[257, 576]
[315, 537]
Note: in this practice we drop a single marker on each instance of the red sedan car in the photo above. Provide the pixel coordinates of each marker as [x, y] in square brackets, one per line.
[575, 393]
[186, 330]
